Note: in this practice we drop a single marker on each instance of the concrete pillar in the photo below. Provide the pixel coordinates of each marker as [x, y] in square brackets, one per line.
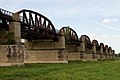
[94, 51]
[106, 53]
[63, 54]
[17, 54]
[82, 51]
[82, 46]
[110, 53]
[101, 52]
[15, 27]
[113, 54]
[94, 48]
[62, 40]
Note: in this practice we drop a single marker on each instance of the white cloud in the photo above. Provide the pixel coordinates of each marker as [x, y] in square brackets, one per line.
[107, 21]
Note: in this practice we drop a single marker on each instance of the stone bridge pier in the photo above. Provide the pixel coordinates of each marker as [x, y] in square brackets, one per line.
[106, 52]
[16, 52]
[101, 52]
[13, 54]
[82, 51]
[109, 53]
[15, 27]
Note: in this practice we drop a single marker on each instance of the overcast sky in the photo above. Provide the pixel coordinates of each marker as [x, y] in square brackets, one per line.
[99, 19]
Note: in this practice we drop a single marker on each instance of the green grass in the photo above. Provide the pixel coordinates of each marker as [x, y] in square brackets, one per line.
[74, 70]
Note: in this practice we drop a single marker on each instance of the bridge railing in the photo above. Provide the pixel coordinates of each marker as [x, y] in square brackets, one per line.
[6, 12]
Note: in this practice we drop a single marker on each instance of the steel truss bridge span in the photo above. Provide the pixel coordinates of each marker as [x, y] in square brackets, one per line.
[71, 37]
[35, 26]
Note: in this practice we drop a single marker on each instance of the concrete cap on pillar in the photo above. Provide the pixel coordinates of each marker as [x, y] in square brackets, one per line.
[16, 17]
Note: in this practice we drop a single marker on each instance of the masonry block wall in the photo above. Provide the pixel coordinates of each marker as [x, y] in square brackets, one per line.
[74, 56]
[3, 54]
[46, 50]
[73, 52]
[11, 55]
[35, 56]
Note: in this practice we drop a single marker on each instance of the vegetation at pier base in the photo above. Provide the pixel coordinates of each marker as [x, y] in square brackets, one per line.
[67, 36]
[74, 70]
[6, 37]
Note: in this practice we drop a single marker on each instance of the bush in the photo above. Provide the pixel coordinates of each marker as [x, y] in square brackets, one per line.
[6, 37]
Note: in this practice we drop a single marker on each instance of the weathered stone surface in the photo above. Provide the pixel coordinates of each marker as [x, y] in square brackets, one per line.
[74, 56]
[15, 27]
[11, 54]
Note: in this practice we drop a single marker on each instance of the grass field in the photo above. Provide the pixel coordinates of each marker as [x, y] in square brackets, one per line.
[74, 70]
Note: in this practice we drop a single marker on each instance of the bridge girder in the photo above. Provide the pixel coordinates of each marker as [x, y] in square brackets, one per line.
[36, 26]
[5, 19]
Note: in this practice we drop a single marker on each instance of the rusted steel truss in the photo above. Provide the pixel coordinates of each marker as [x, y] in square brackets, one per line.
[36, 26]
[5, 19]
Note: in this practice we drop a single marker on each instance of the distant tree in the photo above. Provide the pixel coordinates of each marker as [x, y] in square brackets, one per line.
[10, 38]
[67, 35]
[118, 54]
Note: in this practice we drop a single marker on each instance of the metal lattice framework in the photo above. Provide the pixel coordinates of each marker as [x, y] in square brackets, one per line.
[5, 18]
[35, 26]
[86, 39]
[71, 37]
